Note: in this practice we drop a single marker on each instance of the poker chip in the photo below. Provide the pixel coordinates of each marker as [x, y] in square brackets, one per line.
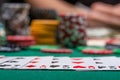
[114, 41]
[113, 44]
[56, 50]
[97, 51]
[46, 41]
[26, 42]
[16, 25]
[20, 38]
[22, 41]
[38, 22]
[72, 30]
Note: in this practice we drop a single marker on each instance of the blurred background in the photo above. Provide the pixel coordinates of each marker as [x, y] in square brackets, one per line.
[47, 21]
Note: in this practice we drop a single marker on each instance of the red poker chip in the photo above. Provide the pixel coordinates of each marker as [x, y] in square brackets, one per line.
[114, 42]
[97, 51]
[57, 50]
[26, 43]
[20, 38]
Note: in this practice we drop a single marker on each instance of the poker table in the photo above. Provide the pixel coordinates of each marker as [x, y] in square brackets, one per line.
[56, 74]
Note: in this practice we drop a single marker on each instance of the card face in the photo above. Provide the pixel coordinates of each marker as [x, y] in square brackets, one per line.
[106, 63]
[4, 60]
[15, 62]
[83, 63]
[39, 63]
[61, 63]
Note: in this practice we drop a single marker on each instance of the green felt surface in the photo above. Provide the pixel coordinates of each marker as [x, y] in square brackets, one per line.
[56, 75]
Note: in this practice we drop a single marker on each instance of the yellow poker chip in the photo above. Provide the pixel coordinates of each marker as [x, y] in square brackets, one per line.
[39, 31]
[46, 41]
[43, 33]
[45, 22]
[47, 29]
[43, 28]
[44, 36]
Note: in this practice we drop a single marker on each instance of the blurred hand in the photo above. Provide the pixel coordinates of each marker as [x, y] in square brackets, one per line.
[104, 14]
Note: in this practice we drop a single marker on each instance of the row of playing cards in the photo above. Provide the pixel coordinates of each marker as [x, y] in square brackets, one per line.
[60, 63]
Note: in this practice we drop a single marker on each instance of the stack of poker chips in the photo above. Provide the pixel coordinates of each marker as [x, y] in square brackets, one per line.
[15, 17]
[72, 30]
[2, 34]
[22, 41]
[44, 31]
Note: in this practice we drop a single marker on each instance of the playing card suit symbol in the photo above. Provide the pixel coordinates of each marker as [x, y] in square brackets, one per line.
[1, 57]
[4, 65]
[118, 66]
[54, 62]
[36, 58]
[30, 66]
[79, 67]
[76, 59]
[43, 67]
[53, 66]
[33, 62]
[91, 67]
[77, 62]
[66, 66]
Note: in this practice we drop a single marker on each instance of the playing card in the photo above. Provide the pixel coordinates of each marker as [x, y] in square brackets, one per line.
[2, 56]
[83, 63]
[3, 60]
[39, 63]
[61, 63]
[15, 62]
[106, 63]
